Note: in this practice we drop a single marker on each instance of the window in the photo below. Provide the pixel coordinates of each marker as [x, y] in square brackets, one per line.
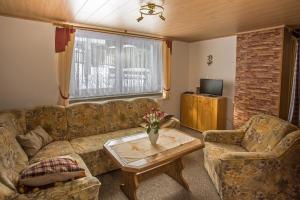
[113, 65]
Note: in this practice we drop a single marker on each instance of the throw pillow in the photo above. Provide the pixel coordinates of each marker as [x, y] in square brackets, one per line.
[50, 171]
[34, 140]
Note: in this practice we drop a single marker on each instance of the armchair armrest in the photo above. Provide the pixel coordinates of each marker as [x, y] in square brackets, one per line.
[224, 136]
[247, 156]
[248, 172]
[290, 141]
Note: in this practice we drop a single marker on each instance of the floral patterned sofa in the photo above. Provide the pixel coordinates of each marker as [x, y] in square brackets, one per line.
[79, 130]
[261, 160]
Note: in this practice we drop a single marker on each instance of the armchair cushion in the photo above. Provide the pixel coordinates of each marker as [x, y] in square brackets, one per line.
[265, 132]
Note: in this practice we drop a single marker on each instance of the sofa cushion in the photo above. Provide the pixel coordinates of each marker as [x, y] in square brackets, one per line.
[85, 119]
[12, 158]
[265, 132]
[51, 118]
[212, 154]
[90, 148]
[54, 149]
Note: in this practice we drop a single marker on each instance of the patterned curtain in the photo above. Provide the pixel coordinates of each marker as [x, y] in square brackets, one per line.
[64, 43]
[295, 100]
[167, 51]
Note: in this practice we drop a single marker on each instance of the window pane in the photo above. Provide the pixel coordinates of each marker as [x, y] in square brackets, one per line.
[112, 65]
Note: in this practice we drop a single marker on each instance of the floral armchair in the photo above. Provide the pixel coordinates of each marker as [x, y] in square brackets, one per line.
[261, 160]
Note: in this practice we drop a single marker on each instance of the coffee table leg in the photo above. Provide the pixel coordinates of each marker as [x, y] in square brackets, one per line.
[175, 171]
[129, 185]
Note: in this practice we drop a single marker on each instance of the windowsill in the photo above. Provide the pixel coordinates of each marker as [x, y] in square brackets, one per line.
[157, 96]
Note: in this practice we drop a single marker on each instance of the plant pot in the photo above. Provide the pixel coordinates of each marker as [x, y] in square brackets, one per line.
[153, 136]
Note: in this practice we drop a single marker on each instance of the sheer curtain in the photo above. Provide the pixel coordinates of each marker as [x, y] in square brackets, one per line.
[114, 65]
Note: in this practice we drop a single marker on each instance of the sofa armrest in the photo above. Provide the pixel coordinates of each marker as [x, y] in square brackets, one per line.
[224, 136]
[86, 188]
[171, 123]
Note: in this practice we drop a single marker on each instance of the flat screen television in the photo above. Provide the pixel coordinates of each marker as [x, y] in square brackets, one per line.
[211, 87]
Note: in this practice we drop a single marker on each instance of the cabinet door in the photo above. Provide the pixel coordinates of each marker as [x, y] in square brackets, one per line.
[204, 114]
[188, 111]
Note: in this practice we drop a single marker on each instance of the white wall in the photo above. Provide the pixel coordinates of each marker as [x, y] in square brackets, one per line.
[28, 72]
[27, 64]
[179, 78]
[223, 66]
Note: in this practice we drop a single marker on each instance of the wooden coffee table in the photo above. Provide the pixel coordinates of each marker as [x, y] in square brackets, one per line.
[139, 160]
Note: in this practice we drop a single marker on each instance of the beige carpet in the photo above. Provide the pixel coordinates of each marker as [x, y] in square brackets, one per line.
[162, 186]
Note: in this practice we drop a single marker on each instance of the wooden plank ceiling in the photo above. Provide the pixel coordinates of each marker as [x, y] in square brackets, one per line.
[188, 20]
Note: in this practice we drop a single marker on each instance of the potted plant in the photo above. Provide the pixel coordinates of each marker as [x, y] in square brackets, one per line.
[152, 120]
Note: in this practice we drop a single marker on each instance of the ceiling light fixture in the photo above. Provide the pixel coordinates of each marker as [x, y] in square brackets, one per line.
[151, 7]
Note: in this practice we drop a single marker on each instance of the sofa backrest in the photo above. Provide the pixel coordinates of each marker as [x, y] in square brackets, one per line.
[52, 118]
[264, 132]
[14, 121]
[80, 119]
[92, 118]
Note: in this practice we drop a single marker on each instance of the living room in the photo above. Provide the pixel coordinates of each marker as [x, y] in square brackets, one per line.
[149, 99]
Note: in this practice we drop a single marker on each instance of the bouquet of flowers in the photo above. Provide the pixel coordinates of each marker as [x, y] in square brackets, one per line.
[153, 119]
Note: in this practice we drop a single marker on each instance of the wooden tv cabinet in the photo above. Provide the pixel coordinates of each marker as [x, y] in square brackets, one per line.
[203, 113]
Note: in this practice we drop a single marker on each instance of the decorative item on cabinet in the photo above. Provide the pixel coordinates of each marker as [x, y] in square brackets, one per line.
[209, 59]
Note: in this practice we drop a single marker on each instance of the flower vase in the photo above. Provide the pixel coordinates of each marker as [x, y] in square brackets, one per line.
[153, 136]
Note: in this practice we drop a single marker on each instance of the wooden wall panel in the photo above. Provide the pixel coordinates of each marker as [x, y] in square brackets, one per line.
[190, 20]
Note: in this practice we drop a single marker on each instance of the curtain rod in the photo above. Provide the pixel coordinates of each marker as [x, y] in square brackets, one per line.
[106, 30]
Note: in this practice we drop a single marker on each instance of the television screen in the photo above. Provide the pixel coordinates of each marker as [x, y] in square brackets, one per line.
[211, 87]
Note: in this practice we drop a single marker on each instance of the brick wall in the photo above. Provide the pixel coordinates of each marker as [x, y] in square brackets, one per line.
[258, 74]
